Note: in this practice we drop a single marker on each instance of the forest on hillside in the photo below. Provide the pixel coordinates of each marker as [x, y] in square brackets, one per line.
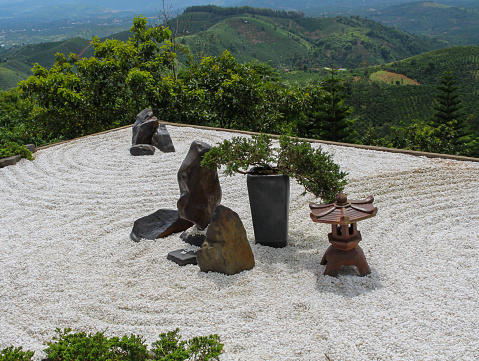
[400, 104]
[225, 11]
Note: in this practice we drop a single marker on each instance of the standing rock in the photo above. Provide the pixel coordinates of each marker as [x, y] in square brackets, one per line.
[226, 248]
[31, 147]
[162, 140]
[199, 187]
[144, 128]
[159, 224]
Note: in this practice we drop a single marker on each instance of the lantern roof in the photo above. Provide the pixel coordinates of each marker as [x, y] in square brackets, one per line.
[343, 211]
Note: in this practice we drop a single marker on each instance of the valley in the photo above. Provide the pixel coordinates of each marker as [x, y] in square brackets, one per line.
[390, 75]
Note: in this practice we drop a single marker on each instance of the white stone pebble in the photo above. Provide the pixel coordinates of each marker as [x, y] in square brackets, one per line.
[66, 259]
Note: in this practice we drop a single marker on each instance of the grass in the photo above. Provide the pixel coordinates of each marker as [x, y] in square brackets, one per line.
[392, 78]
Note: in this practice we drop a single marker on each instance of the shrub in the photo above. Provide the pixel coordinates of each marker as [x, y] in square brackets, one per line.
[170, 347]
[15, 354]
[8, 149]
[68, 346]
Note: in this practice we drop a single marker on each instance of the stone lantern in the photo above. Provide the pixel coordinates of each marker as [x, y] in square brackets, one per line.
[345, 237]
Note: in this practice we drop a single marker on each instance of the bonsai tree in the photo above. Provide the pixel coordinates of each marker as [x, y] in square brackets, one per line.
[312, 168]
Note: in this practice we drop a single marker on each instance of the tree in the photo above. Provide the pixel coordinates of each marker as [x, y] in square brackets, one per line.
[448, 120]
[230, 94]
[449, 105]
[15, 121]
[78, 96]
[332, 116]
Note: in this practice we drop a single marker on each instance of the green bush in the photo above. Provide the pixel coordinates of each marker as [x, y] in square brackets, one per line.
[8, 149]
[16, 124]
[68, 346]
[15, 354]
[170, 347]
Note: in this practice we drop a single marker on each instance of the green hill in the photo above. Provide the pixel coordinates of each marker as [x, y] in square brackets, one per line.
[455, 25]
[289, 42]
[16, 64]
[385, 102]
[299, 43]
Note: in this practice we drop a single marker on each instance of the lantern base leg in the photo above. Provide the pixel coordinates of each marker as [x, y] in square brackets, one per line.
[334, 258]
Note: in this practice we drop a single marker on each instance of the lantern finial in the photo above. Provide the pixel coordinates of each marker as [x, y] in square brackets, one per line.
[341, 199]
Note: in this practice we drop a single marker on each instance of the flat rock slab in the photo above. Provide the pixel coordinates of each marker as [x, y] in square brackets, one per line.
[160, 224]
[14, 159]
[182, 257]
[142, 149]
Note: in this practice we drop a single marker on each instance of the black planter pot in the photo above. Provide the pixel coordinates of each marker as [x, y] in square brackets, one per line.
[269, 202]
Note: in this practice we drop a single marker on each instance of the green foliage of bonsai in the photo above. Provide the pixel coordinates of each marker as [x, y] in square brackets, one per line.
[312, 168]
[8, 149]
[15, 354]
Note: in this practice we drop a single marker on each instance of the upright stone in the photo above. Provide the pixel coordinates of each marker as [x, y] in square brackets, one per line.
[145, 126]
[31, 147]
[226, 248]
[162, 140]
[200, 190]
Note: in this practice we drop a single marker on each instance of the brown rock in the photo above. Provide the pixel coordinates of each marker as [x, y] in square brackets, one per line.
[144, 128]
[226, 248]
[199, 187]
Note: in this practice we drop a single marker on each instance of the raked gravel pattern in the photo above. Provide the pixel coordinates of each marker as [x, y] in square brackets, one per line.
[66, 259]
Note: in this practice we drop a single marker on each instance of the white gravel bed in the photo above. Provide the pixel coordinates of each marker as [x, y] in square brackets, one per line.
[66, 259]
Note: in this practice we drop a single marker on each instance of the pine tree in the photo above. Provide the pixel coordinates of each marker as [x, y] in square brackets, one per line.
[448, 120]
[449, 105]
[332, 118]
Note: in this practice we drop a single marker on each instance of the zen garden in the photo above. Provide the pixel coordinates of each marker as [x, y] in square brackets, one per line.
[152, 210]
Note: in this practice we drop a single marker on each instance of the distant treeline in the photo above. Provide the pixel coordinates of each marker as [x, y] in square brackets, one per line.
[289, 14]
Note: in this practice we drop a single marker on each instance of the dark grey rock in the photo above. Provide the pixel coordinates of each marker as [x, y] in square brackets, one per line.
[142, 149]
[14, 159]
[226, 248]
[144, 128]
[31, 147]
[162, 140]
[159, 224]
[200, 190]
[182, 258]
[193, 239]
